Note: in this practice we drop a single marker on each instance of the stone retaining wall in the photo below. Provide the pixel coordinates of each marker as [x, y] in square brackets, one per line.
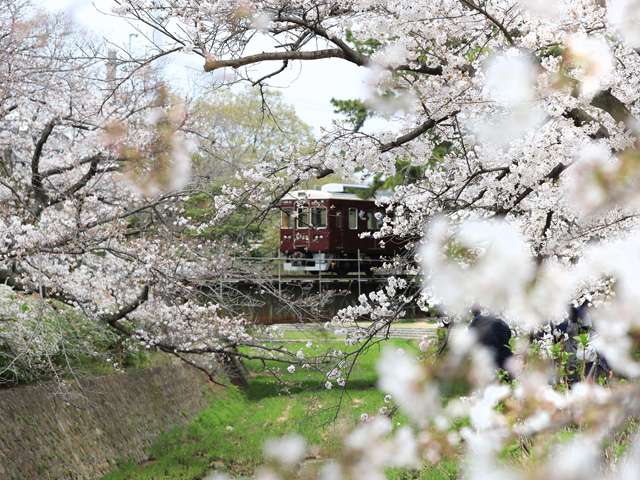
[44, 438]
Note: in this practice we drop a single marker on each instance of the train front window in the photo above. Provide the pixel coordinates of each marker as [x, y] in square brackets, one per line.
[338, 219]
[353, 218]
[303, 218]
[319, 217]
[286, 218]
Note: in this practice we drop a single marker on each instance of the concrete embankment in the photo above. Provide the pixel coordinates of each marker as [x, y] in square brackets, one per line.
[120, 417]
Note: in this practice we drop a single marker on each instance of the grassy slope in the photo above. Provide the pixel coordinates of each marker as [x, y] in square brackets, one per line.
[229, 435]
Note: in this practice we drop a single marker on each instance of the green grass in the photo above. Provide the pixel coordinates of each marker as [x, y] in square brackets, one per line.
[229, 435]
[447, 470]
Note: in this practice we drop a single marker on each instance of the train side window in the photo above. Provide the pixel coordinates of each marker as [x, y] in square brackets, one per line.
[379, 215]
[374, 219]
[371, 220]
[338, 219]
[303, 218]
[353, 218]
[319, 217]
[286, 218]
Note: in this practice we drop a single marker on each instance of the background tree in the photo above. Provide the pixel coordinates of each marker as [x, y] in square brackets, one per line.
[238, 130]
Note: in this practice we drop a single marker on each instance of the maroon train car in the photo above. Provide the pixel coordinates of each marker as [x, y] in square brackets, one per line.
[320, 230]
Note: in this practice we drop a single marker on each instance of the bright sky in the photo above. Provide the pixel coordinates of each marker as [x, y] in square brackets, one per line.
[308, 86]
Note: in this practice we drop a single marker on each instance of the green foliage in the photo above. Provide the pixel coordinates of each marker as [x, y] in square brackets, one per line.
[366, 47]
[241, 128]
[556, 351]
[552, 51]
[236, 228]
[565, 358]
[445, 470]
[355, 111]
[406, 172]
[474, 53]
[583, 339]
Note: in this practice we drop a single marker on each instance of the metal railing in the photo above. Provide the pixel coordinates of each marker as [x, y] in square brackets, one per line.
[274, 266]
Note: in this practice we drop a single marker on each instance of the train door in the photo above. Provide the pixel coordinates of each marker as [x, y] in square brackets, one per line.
[338, 228]
[353, 241]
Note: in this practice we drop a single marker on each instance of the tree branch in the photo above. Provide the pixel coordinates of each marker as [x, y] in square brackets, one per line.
[272, 74]
[491, 18]
[552, 175]
[59, 170]
[605, 100]
[428, 125]
[93, 169]
[113, 318]
[211, 64]
[194, 365]
[343, 51]
[5, 111]
[580, 117]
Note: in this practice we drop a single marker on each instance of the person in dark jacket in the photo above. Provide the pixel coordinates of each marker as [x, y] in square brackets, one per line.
[494, 334]
[571, 326]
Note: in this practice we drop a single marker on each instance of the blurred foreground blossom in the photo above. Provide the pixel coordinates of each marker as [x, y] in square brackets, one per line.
[591, 180]
[509, 82]
[405, 379]
[159, 160]
[625, 16]
[288, 450]
[472, 261]
[593, 59]
[510, 79]
[548, 10]
[598, 180]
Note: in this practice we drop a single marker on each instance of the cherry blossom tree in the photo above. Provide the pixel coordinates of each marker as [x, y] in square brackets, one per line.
[532, 206]
[94, 176]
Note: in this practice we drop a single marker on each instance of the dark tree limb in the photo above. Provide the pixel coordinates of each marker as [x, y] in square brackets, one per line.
[428, 125]
[608, 102]
[36, 177]
[114, 318]
[194, 365]
[554, 174]
[211, 64]
[60, 170]
[272, 74]
[580, 118]
[10, 278]
[6, 162]
[489, 17]
[82, 182]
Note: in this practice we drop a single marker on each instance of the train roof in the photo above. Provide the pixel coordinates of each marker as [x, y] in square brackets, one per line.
[334, 191]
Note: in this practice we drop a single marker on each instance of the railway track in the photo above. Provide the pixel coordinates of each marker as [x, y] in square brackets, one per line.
[305, 278]
[396, 331]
